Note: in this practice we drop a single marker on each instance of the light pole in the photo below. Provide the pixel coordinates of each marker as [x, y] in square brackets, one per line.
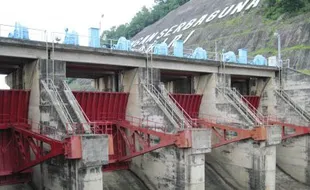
[102, 15]
[276, 34]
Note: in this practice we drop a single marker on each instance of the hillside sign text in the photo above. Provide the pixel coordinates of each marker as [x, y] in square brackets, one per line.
[179, 29]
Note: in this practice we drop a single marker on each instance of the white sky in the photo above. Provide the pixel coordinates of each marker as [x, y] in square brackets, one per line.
[56, 15]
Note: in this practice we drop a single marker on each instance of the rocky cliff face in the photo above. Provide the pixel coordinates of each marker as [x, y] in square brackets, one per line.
[231, 25]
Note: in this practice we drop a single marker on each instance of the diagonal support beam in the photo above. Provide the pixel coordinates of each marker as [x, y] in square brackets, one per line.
[294, 130]
[28, 141]
[221, 132]
[133, 134]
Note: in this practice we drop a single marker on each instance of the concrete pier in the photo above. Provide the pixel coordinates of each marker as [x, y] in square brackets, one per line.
[293, 155]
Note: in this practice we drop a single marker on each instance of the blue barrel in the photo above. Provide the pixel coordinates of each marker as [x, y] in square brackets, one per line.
[123, 44]
[260, 60]
[71, 38]
[230, 57]
[94, 37]
[178, 48]
[200, 53]
[161, 49]
[243, 56]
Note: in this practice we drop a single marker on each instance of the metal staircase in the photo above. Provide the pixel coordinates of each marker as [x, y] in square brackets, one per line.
[176, 116]
[241, 104]
[74, 107]
[58, 104]
[177, 107]
[304, 114]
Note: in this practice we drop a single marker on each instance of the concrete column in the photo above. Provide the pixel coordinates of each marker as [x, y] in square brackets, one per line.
[242, 165]
[169, 167]
[170, 86]
[293, 155]
[173, 168]
[59, 172]
[266, 90]
[214, 104]
[15, 79]
[106, 83]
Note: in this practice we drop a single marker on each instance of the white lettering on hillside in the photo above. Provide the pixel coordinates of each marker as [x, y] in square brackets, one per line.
[176, 38]
[151, 37]
[200, 21]
[240, 7]
[192, 23]
[162, 33]
[226, 11]
[145, 39]
[213, 15]
[189, 24]
[189, 36]
[179, 27]
[253, 4]
[170, 30]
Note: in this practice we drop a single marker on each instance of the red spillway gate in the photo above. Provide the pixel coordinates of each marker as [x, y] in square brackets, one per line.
[253, 100]
[189, 102]
[103, 106]
[13, 110]
[106, 109]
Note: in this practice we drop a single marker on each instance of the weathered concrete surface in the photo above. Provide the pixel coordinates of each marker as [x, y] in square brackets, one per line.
[173, 168]
[293, 155]
[285, 182]
[242, 165]
[245, 165]
[123, 179]
[169, 167]
[59, 173]
[214, 180]
[16, 187]
[106, 83]
[268, 100]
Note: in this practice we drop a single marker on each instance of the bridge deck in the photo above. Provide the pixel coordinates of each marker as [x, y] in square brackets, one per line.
[79, 55]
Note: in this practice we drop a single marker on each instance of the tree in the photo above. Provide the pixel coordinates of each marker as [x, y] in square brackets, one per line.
[143, 18]
[275, 8]
[292, 5]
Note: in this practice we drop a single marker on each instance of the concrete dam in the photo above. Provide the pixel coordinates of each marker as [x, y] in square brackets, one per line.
[154, 121]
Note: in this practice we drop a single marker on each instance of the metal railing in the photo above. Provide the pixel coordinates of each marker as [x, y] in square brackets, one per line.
[172, 114]
[33, 34]
[81, 115]
[238, 101]
[304, 114]
[189, 121]
[58, 103]
[83, 40]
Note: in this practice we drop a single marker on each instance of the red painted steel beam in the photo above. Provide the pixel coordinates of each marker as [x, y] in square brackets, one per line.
[130, 133]
[56, 148]
[298, 129]
[71, 148]
[220, 131]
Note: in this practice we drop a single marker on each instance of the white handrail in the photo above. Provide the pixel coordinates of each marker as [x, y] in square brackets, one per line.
[177, 106]
[173, 115]
[55, 96]
[238, 103]
[66, 86]
[295, 106]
